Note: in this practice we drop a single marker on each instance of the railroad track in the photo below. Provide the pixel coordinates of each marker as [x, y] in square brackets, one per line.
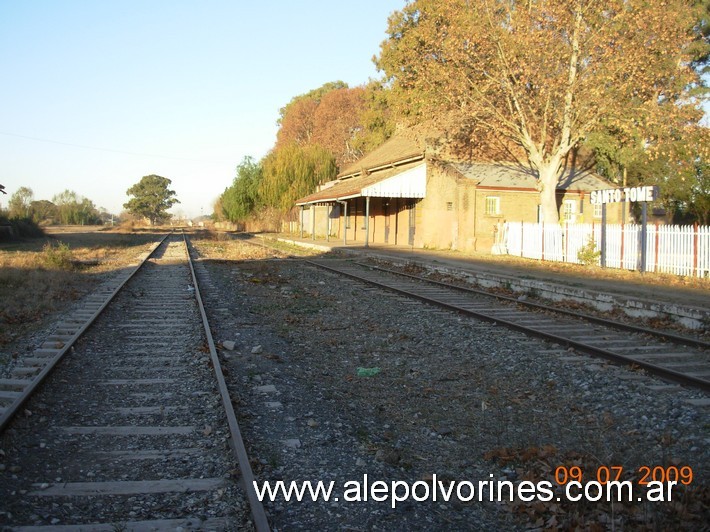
[680, 359]
[29, 372]
[133, 430]
[269, 245]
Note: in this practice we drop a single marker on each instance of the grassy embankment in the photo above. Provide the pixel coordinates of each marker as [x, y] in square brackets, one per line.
[42, 276]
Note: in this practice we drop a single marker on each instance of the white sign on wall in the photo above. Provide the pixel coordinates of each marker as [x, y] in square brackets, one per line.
[617, 195]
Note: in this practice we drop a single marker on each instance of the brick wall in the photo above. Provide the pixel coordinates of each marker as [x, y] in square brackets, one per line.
[454, 215]
[437, 223]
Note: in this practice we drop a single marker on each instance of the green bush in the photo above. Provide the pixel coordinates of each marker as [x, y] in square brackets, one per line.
[589, 254]
[57, 257]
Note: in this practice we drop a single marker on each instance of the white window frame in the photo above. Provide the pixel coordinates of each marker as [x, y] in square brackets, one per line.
[598, 210]
[569, 210]
[494, 202]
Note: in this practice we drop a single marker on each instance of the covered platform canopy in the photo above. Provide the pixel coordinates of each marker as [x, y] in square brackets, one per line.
[407, 181]
[385, 173]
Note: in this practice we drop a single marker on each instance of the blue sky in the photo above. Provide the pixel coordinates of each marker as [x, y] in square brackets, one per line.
[97, 94]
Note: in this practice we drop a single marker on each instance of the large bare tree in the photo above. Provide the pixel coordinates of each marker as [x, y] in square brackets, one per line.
[535, 77]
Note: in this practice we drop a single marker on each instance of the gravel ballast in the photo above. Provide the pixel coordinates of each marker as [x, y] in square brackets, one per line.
[334, 380]
[129, 430]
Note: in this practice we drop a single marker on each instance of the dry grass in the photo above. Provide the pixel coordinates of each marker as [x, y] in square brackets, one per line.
[222, 246]
[41, 276]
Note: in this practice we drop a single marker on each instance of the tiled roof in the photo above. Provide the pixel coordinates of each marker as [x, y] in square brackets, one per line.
[401, 153]
[509, 176]
[396, 149]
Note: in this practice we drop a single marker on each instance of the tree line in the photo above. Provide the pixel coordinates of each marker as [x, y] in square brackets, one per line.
[149, 199]
[615, 86]
[65, 208]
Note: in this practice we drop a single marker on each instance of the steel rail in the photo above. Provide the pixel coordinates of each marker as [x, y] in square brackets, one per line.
[657, 370]
[39, 378]
[677, 338]
[261, 522]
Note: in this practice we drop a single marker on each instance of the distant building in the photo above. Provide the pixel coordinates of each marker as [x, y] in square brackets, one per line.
[399, 195]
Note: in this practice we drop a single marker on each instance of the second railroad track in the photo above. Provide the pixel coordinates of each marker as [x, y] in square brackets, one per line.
[680, 359]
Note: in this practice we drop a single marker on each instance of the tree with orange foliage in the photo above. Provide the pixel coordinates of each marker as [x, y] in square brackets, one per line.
[347, 122]
[298, 123]
[337, 123]
[535, 77]
[297, 118]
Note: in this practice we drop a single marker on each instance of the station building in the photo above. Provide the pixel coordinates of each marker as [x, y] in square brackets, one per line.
[400, 195]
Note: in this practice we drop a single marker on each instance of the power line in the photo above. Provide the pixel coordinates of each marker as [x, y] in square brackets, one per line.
[107, 149]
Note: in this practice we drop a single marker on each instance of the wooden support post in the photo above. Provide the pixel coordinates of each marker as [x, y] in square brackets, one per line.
[644, 229]
[367, 221]
[602, 244]
[345, 223]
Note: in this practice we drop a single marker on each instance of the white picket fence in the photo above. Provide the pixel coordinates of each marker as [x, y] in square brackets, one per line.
[681, 250]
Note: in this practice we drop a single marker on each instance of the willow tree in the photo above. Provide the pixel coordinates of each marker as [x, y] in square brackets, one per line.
[240, 200]
[73, 209]
[292, 172]
[534, 77]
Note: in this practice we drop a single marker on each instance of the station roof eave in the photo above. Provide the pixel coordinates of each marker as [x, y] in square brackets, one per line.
[407, 181]
[508, 176]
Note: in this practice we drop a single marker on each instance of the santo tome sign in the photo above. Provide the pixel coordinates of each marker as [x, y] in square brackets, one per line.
[641, 195]
[616, 195]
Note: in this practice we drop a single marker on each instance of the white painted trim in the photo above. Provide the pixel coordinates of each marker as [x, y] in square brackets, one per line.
[408, 184]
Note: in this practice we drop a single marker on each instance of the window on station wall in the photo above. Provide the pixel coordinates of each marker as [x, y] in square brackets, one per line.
[569, 211]
[492, 205]
[598, 210]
